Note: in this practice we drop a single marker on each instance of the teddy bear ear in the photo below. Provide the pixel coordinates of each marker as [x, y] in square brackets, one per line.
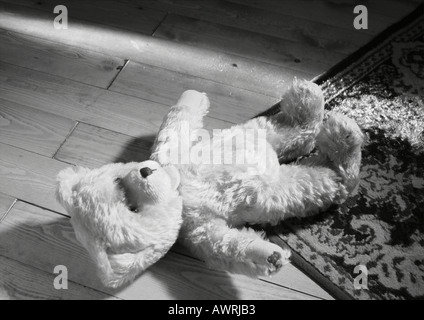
[174, 175]
[66, 182]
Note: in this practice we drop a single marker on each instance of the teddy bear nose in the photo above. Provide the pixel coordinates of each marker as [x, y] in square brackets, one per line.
[145, 172]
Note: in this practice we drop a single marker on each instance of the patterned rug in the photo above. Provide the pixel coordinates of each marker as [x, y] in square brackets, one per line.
[381, 228]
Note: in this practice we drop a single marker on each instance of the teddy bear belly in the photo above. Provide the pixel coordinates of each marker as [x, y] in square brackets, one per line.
[232, 199]
[237, 206]
[222, 190]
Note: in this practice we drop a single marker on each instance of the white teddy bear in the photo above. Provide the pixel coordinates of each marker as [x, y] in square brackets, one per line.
[207, 191]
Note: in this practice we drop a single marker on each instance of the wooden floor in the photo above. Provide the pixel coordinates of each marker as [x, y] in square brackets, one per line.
[96, 93]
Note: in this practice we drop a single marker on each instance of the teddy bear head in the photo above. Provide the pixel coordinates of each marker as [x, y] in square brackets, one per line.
[127, 216]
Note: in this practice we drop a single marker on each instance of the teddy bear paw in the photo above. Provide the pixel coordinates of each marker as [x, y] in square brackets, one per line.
[278, 259]
[338, 135]
[195, 102]
[267, 257]
[275, 260]
[302, 104]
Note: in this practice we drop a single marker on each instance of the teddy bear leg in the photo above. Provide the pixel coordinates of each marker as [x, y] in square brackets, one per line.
[236, 250]
[292, 131]
[317, 182]
[302, 105]
[297, 122]
[180, 123]
[296, 191]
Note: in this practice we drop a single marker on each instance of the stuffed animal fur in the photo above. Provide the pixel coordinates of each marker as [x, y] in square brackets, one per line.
[125, 222]
[129, 215]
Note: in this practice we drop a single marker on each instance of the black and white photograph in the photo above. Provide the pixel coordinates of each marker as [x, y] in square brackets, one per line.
[211, 154]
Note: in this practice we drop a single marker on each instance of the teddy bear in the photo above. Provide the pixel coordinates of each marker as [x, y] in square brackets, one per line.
[125, 221]
[207, 190]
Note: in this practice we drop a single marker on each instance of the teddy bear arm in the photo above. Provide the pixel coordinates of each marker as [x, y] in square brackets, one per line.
[181, 122]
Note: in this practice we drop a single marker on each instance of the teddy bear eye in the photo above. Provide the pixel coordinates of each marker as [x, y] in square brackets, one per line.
[134, 209]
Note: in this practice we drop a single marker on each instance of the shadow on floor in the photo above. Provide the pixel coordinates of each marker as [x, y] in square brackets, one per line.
[43, 240]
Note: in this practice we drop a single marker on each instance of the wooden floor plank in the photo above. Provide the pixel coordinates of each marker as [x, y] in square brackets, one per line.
[315, 33]
[92, 147]
[128, 115]
[22, 282]
[6, 203]
[289, 277]
[224, 68]
[162, 86]
[43, 239]
[130, 16]
[29, 177]
[32, 129]
[255, 46]
[72, 63]
[80, 102]
[338, 14]
[391, 8]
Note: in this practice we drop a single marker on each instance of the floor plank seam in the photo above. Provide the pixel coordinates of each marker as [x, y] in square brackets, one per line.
[126, 61]
[275, 238]
[259, 279]
[66, 162]
[178, 254]
[138, 136]
[145, 99]
[230, 55]
[53, 75]
[253, 33]
[26, 150]
[74, 47]
[66, 139]
[102, 89]
[110, 130]
[276, 97]
[292, 289]
[141, 63]
[201, 78]
[8, 211]
[265, 9]
[70, 281]
[160, 23]
[43, 208]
